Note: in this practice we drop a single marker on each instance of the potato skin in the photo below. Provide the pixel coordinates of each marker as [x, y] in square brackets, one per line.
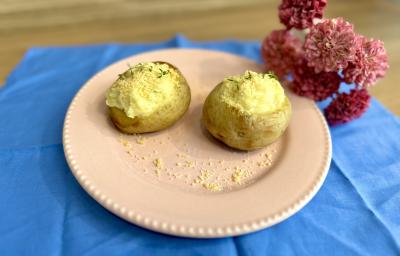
[161, 119]
[244, 131]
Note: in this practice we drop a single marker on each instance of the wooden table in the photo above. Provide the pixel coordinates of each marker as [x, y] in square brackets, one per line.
[27, 23]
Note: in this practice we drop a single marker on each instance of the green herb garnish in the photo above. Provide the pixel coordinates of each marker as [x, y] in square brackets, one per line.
[130, 68]
[162, 73]
[271, 75]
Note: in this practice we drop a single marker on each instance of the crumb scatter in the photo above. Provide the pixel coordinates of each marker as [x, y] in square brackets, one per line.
[186, 169]
[140, 140]
[212, 187]
[158, 163]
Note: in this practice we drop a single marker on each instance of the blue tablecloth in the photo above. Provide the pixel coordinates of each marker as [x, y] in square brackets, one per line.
[43, 210]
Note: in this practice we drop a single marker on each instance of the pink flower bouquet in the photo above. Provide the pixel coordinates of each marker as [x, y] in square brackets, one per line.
[331, 54]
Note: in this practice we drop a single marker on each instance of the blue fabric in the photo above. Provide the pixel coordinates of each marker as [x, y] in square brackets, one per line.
[43, 210]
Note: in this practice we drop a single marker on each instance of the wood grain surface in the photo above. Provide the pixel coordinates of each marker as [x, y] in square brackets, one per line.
[27, 23]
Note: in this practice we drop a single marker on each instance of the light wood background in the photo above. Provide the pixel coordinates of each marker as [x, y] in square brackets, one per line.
[26, 23]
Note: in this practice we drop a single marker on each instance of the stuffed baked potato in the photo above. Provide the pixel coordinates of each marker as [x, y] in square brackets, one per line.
[248, 111]
[148, 97]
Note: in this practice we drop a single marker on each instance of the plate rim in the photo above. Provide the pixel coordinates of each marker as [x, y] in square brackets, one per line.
[186, 230]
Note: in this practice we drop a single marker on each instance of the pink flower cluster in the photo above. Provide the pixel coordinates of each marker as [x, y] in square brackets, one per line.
[300, 13]
[331, 53]
[370, 63]
[347, 107]
[281, 49]
[330, 45]
[312, 85]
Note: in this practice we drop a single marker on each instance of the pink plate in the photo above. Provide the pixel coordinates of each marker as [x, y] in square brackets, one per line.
[181, 181]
